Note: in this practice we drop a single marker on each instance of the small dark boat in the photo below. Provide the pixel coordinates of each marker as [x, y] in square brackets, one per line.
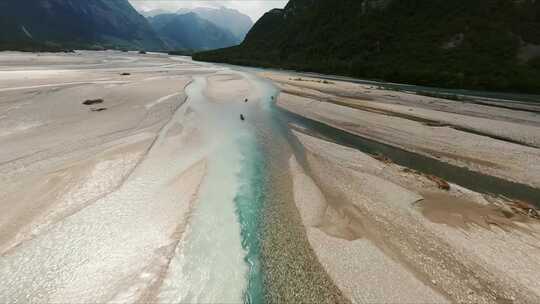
[242, 117]
[246, 100]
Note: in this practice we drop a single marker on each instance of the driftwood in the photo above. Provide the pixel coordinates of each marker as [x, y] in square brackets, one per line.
[441, 183]
[525, 209]
[90, 102]
[382, 158]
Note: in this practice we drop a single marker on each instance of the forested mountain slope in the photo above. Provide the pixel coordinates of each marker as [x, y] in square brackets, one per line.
[477, 44]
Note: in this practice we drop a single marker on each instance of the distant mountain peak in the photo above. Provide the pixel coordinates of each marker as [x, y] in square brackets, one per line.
[155, 12]
[227, 18]
[61, 24]
[188, 31]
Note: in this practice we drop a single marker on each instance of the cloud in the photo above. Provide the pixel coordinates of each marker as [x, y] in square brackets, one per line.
[253, 8]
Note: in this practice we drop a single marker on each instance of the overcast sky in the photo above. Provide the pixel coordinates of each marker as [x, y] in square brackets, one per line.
[253, 8]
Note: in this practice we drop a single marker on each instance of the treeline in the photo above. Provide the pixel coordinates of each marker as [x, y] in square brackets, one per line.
[472, 44]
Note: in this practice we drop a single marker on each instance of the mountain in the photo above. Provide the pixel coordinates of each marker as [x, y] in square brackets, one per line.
[189, 31]
[474, 44]
[154, 12]
[61, 24]
[230, 19]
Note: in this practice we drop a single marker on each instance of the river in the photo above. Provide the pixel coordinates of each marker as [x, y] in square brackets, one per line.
[243, 241]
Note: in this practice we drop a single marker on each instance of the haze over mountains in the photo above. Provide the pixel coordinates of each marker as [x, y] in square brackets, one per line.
[478, 44]
[200, 28]
[190, 32]
[102, 24]
[56, 24]
[230, 19]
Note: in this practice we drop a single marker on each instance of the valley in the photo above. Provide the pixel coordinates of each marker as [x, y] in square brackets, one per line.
[462, 44]
[150, 178]
[117, 25]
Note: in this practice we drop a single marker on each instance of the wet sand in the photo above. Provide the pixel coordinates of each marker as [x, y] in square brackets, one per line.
[220, 84]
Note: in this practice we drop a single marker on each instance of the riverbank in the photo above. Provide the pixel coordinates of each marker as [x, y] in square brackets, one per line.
[104, 177]
[492, 140]
[436, 241]
[146, 178]
[60, 155]
[385, 233]
[136, 170]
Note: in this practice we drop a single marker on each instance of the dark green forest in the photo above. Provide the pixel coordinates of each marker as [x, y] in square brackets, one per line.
[472, 44]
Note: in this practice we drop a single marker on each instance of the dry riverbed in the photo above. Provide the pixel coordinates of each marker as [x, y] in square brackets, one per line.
[388, 233]
[132, 178]
[385, 233]
[496, 141]
[101, 166]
